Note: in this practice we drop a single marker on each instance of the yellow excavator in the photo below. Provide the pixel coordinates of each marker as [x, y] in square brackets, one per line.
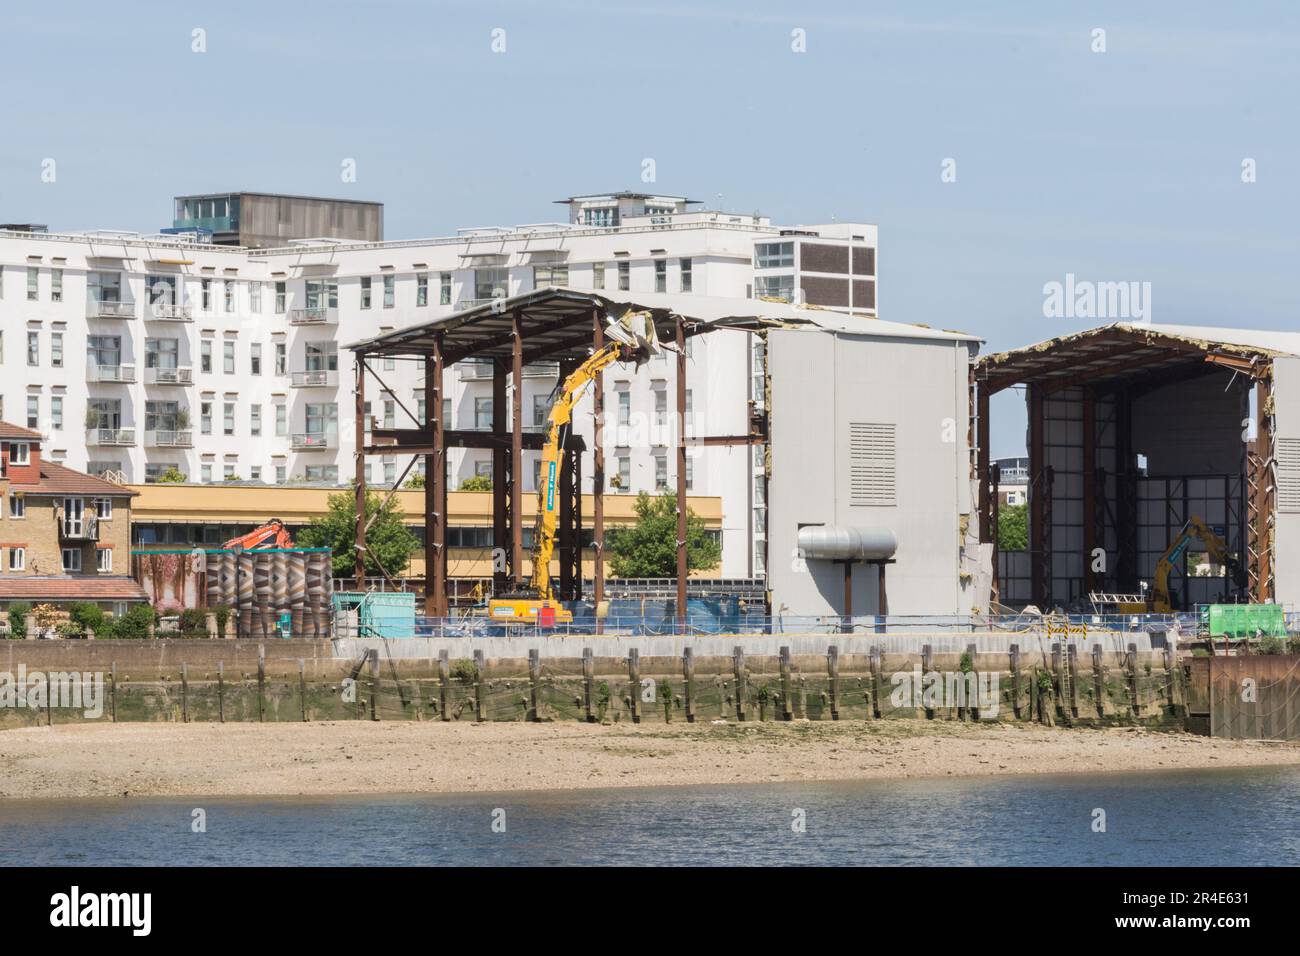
[1157, 599]
[632, 339]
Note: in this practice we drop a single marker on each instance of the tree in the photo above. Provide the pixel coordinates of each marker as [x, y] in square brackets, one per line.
[477, 483]
[415, 482]
[648, 549]
[172, 476]
[1013, 528]
[388, 544]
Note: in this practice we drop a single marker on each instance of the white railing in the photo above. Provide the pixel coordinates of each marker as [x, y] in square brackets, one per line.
[96, 309]
[160, 438]
[169, 376]
[320, 315]
[167, 312]
[124, 374]
[316, 379]
[110, 436]
[313, 441]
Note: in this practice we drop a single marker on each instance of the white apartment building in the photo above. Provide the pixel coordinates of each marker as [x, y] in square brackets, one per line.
[138, 354]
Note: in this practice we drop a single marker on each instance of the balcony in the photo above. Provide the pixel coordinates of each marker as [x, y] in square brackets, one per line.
[313, 441]
[475, 371]
[316, 379]
[167, 312]
[110, 436]
[96, 309]
[542, 370]
[169, 439]
[464, 304]
[119, 374]
[169, 376]
[84, 528]
[314, 316]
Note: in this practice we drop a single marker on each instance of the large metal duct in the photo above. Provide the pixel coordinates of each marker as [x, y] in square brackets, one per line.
[837, 543]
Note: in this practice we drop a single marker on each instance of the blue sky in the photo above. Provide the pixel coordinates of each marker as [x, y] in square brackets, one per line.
[1122, 165]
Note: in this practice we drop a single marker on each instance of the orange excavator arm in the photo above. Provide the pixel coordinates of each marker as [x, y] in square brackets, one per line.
[273, 534]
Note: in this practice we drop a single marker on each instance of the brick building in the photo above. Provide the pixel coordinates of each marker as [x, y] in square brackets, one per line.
[64, 535]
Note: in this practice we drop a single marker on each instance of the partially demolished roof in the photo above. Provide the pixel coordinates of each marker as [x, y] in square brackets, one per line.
[557, 323]
[1115, 351]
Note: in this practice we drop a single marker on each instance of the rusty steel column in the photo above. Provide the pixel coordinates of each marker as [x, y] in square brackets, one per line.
[567, 535]
[982, 459]
[882, 596]
[359, 566]
[682, 570]
[598, 470]
[517, 451]
[1037, 496]
[1089, 486]
[1263, 492]
[435, 488]
[500, 481]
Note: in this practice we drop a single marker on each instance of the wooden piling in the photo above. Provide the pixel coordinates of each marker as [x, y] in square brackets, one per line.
[738, 669]
[588, 685]
[261, 682]
[634, 683]
[1014, 664]
[833, 679]
[480, 706]
[874, 710]
[444, 684]
[926, 659]
[1058, 678]
[973, 684]
[302, 687]
[1130, 661]
[688, 677]
[1099, 680]
[374, 683]
[534, 686]
[221, 692]
[185, 694]
[1072, 669]
[784, 659]
[112, 697]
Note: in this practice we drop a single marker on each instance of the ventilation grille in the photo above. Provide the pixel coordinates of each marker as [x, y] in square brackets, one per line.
[871, 464]
[1288, 475]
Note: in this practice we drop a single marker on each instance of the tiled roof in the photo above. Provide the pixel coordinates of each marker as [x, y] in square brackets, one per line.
[66, 587]
[18, 433]
[58, 480]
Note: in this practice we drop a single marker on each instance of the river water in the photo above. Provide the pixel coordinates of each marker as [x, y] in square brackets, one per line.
[1180, 818]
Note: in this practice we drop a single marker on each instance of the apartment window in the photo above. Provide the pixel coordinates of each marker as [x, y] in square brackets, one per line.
[205, 293]
[446, 414]
[161, 353]
[56, 285]
[322, 356]
[33, 348]
[624, 276]
[205, 355]
[281, 358]
[33, 411]
[557, 275]
[661, 403]
[17, 558]
[322, 418]
[598, 275]
[228, 418]
[690, 473]
[390, 296]
[390, 413]
[281, 297]
[282, 419]
[205, 418]
[624, 469]
[228, 296]
[688, 284]
[255, 419]
[483, 469]
[419, 413]
[228, 357]
[71, 559]
[255, 358]
[661, 473]
[56, 349]
[444, 288]
[624, 407]
[103, 508]
[491, 283]
[56, 413]
[281, 474]
[255, 473]
[483, 414]
[661, 275]
[390, 472]
[17, 506]
[421, 289]
[322, 293]
[161, 290]
[228, 472]
[255, 297]
[205, 474]
[33, 284]
[155, 470]
[103, 560]
[773, 255]
[365, 292]
[19, 453]
[774, 287]
[541, 410]
[327, 474]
